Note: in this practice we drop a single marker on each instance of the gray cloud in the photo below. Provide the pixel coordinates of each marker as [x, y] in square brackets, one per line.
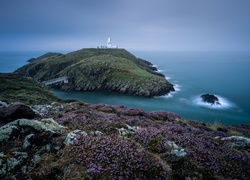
[133, 24]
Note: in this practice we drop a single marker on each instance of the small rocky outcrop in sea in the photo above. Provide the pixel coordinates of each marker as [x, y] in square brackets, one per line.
[211, 99]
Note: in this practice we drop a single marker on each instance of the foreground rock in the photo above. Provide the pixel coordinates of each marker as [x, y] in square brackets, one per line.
[16, 111]
[100, 69]
[26, 137]
[22, 126]
[211, 99]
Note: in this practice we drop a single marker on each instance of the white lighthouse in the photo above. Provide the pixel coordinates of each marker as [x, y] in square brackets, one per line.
[109, 43]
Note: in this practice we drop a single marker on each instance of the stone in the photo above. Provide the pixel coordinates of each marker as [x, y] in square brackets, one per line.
[3, 169]
[42, 109]
[170, 145]
[7, 131]
[210, 98]
[130, 130]
[36, 159]
[16, 111]
[174, 155]
[14, 128]
[3, 105]
[12, 163]
[238, 142]
[174, 152]
[98, 133]
[72, 136]
[236, 138]
[26, 142]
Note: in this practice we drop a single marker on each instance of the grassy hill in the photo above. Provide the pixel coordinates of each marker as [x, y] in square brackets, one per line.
[15, 88]
[100, 69]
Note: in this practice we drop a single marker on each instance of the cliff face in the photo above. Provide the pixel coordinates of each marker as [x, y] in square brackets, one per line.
[101, 69]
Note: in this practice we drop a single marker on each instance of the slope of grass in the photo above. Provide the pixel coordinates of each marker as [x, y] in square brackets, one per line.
[14, 88]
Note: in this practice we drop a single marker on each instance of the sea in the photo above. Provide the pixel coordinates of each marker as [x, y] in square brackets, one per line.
[224, 74]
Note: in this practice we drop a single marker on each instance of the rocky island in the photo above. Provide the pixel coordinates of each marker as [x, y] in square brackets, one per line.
[210, 99]
[43, 137]
[99, 70]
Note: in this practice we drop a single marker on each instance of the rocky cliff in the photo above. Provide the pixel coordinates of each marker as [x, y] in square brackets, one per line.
[100, 69]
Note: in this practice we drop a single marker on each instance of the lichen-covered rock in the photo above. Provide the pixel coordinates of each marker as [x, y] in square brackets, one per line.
[73, 135]
[36, 159]
[3, 105]
[42, 109]
[8, 131]
[3, 169]
[127, 131]
[238, 142]
[26, 142]
[13, 129]
[173, 152]
[236, 138]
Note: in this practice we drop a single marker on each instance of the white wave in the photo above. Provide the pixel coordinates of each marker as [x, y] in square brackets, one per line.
[159, 70]
[224, 103]
[177, 87]
[154, 65]
[167, 77]
[171, 94]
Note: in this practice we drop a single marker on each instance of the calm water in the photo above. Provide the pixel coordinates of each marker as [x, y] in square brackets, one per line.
[223, 74]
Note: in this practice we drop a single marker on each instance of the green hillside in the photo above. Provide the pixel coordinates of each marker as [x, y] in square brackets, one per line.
[100, 69]
[14, 88]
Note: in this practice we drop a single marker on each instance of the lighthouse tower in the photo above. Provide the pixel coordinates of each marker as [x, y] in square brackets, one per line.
[109, 43]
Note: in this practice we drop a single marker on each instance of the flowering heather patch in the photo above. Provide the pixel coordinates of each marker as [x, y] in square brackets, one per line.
[202, 144]
[150, 138]
[112, 157]
[66, 118]
[163, 115]
[130, 112]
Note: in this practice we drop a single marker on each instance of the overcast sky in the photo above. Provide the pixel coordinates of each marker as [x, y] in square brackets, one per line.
[164, 25]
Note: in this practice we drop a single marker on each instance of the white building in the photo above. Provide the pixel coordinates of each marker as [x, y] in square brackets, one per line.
[109, 45]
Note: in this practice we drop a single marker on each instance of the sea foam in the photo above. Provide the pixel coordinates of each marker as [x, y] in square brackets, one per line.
[224, 103]
[177, 89]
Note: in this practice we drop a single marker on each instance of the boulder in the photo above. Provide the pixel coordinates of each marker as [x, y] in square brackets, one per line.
[3, 105]
[73, 135]
[17, 127]
[210, 98]
[238, 142]
[16, 111]
[27, 141]
[173, 153]
[127, 131]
